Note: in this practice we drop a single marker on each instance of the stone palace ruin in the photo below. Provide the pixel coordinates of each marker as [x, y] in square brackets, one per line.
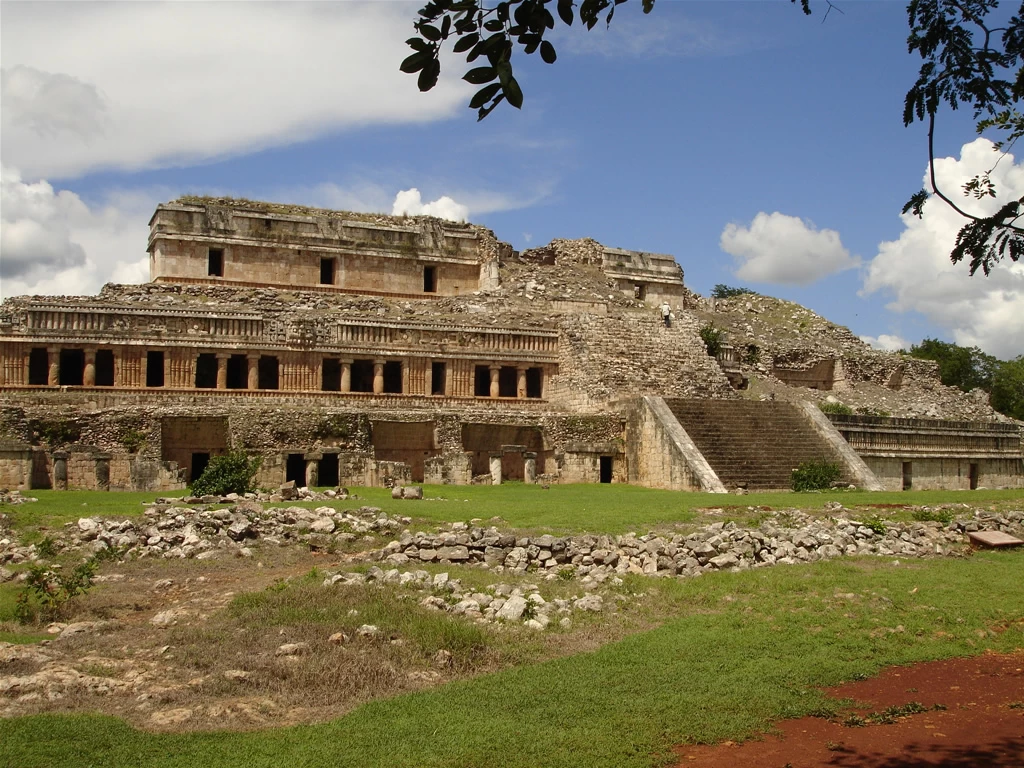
[357, 349]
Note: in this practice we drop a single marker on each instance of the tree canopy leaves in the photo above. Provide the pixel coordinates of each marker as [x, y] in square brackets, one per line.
[968, 368]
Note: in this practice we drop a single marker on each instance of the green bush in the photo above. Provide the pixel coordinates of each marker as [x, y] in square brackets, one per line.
[944, 516]
[815, 475]
[712, 338]
[48, 590]
[835, 408]
[722, 291]
[234, 472]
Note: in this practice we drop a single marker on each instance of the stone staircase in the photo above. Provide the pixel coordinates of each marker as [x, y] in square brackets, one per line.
[750, 444]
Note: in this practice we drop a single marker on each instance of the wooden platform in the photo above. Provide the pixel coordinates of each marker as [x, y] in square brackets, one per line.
[993, 539]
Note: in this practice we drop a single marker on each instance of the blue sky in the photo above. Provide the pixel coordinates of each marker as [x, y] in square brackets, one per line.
[758, 146]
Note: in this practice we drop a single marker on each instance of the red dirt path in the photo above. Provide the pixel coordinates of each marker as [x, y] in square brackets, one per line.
[978, 729]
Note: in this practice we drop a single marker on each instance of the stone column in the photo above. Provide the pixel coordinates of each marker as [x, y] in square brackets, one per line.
[312, 470]
[428, 378]
[26, 359]
[53, 378]
[167, 369]
[60, 470]
[520, 381]
[253, 370]
[102, 471]
[89, 373]
[529, 467]
[346, 375]
[449, 378]
[405, 377]
[495, 386]
[495, 468]
[378, 376]
[222, 370]
[543, 381]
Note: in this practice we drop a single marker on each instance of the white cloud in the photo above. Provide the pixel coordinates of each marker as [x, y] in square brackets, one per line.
[886, 342]
[777, 248]
[987, 312]
[633, 34]
[137, 85]
[409, 202]
[52, 242]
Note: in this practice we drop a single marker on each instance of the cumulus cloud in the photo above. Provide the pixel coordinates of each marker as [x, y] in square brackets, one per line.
[409, 202]
[886, 342]
[52, 242]
[777, 248]
[199, 80]
[632, 35]
[915, 269]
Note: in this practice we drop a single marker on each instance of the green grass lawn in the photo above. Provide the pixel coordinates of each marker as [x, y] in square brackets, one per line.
[737, 652]
[611, 508]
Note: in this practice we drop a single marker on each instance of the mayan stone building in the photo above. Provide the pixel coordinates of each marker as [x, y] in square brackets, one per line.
[360, 349]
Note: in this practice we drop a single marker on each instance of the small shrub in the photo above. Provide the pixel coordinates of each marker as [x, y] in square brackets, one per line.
[722, 291]
[234, 472]
[712, 338]
[943, 516]
[751, 354]
[876, 524]
[47, 548]
[132, 440]
[56, 433]
[48, 590]
[837, 408]
[815, 475]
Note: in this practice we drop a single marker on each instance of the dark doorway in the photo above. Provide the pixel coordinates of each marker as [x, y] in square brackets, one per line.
[295, 469]
[430, 279]
[105, 368]
[215, 263]
[908, 475]
[362, 375]
[393, 377]
[974, 477]
[482, 381]
[534, 382]
[640, 291]
[154, 369]
[72, 366]
[38, 366]
[507, 381]
[238, 372]
[268, 372]
[206, 371]
[199, 462]
[606, 469]
[327, 470]
[330, 378]
[438, 372]
[326, 271]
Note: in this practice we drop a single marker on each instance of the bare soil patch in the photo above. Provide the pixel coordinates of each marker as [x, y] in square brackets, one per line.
[973, 717]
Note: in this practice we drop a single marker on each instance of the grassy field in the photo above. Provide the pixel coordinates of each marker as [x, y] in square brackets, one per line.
[740, 651]
[561, 508]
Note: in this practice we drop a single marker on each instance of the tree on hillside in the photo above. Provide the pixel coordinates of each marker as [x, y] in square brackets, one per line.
[967, 60]
[1008, 388]
[962, 367]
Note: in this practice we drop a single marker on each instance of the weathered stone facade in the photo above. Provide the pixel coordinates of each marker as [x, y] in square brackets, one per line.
[352, 349]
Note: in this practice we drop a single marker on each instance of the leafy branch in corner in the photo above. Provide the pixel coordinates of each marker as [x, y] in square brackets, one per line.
[489, 33]
[966, 61]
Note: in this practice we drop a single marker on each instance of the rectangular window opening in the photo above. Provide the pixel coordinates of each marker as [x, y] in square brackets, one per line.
[206, 371]
[362, 375]
[330, 378]
[430, 279]
[393, 377]
[72, 367]
[975, 476]
[269, 372]
[640, 292]
[215, 262]
[199, 462]
[908, 475]
[326, 271]
[482, 381]
[154, 369]
[327, 470]
[238, 372]
[39, 366]
[104, 368]
[534, 382]
[606, 469]
[507, 381]
[438, 373]
[295, 469]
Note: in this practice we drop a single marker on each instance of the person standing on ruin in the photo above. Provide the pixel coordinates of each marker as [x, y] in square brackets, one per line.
[666, 314]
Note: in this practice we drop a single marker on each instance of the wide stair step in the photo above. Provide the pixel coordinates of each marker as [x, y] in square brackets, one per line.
[752, 444]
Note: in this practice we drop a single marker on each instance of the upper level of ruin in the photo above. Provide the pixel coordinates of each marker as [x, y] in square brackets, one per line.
[257, 244]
